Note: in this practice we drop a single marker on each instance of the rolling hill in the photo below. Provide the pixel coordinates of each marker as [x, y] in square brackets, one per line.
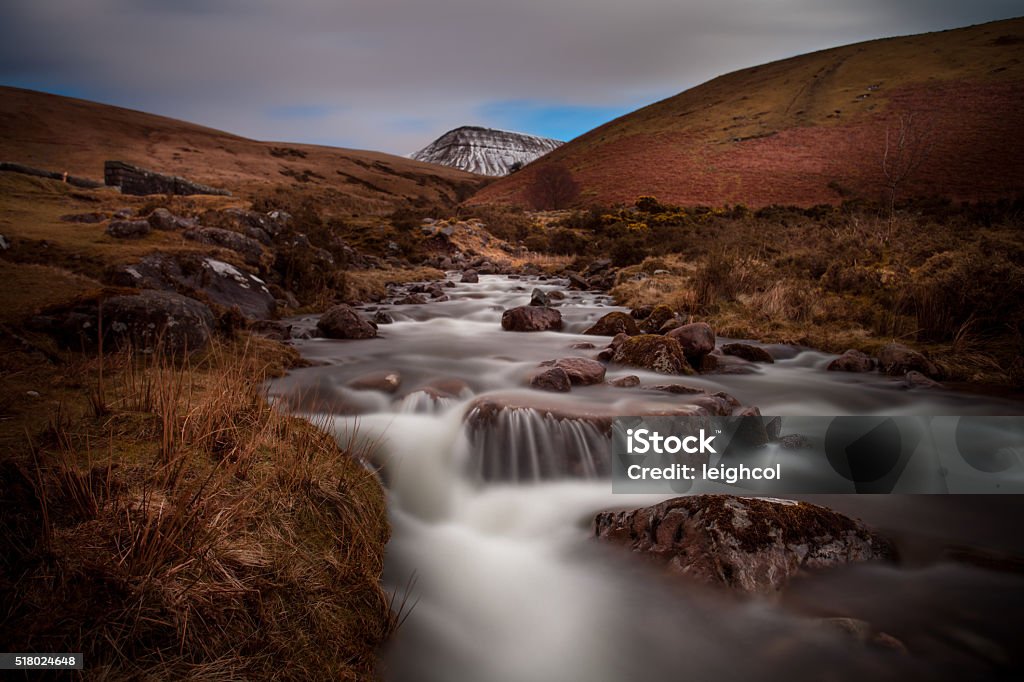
[812, 129]
[66, 134]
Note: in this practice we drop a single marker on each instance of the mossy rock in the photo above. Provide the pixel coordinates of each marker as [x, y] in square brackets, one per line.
[612, 324]
[653, 352]
[653, 323]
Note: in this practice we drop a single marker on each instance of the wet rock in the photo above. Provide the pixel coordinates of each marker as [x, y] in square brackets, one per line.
[128, 229]
[914, 379]
[470, 277]
[612, 324]
[653, 323]
[897, 359]
[653, 352]
[642, 312]
[583, 345]
[386, 382]
[628, 381]
[553, 379]
[343, 322]
[669, 325]
[862, 632]
[696, 338]
[748, 352]
[381, 317]
[556, 295]
[215, 236]
[162, 219]
[598, 266]
[539, 298]
[411, 299]
[577, 282]
[158, 320]
[852, 361]
[581, 371]
[531, 319]
[750, 545]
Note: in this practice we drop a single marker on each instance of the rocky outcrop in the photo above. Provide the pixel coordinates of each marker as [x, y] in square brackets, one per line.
[139, 181]
[128, 229]
[158, 320]
[227, 239]
[852, 361]
[653, 352]
[343, 322]
[213, 280]
[747, 544]
[897, 359]
[613, 323]
[531, 319]
[162, 219]
[697, 339]
[748, 352]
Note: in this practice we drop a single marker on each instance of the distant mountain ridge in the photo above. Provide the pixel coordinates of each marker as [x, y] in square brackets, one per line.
[485, 150]
[813, 129]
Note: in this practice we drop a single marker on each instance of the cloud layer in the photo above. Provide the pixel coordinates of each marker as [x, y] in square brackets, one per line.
[394, 74]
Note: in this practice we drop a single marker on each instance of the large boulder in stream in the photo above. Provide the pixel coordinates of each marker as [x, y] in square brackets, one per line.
[581, 371]
[656, 353]
[753, 545]
[748, 352]
[852, 361]
[527, 318]
[343, 322]
[612, 324]
[696, 338]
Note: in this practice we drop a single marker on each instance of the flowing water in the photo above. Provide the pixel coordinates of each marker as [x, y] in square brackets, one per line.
[491, 503]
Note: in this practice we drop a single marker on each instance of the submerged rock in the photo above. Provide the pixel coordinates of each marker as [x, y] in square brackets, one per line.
[852, 361]
[748, 352]
[751, 545]
[386, 382]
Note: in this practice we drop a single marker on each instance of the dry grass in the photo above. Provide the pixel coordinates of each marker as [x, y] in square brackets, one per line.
[175, 525]
[367, 285]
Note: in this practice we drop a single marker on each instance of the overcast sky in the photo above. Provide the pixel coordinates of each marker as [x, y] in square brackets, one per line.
[394, 74]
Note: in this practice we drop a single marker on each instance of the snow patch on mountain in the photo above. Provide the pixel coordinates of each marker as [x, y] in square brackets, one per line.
[485, 150]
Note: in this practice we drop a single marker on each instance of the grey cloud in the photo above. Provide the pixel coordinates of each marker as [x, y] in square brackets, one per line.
[227, 63]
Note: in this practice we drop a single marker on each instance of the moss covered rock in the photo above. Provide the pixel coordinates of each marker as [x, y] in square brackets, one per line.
[653, 352]
[653, 323]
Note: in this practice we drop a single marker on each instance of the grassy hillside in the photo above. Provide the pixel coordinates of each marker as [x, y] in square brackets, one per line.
[66, 134]
[812, 129]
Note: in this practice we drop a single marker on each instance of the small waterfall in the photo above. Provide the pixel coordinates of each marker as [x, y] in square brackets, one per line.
[522, 444]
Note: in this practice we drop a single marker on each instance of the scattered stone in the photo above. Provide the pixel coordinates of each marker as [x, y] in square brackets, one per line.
[531, 319]
[914, 379]
[381, 317]
[386, 382]
[897, 359]
[128, 229]
[411, 299]
[669, 325]
[554, 379]
[556, 295]
[653, 352]
[343, 322]
[539, 298]
[612, 324]
[793, 441]
[748, 352]
[752, 545]
[577, 282]
[470, 277]
[852, 361]
[696, 338]
[87, 218]
[272, 329]
[32, 394]
[628, 381]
